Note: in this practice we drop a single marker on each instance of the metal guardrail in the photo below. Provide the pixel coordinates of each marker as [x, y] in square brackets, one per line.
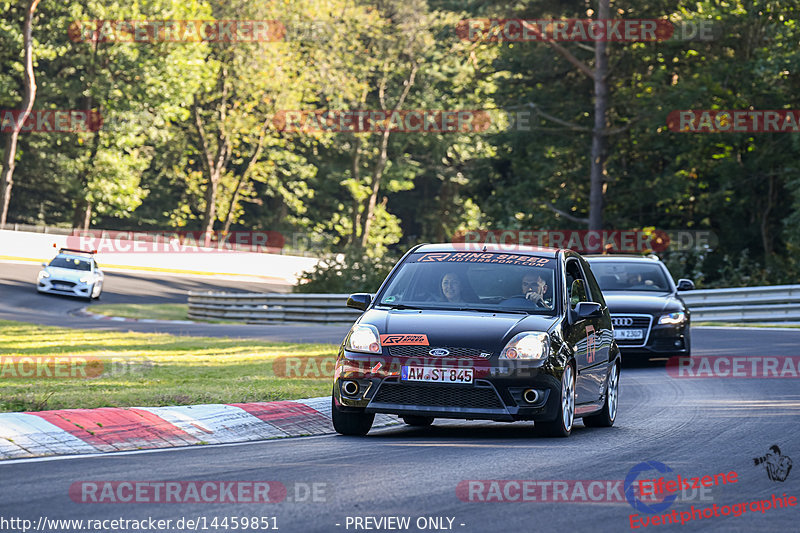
[747, 304]
[270, 308]
[778, 303]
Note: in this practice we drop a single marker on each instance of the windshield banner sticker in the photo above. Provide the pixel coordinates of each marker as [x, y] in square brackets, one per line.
[477, 257]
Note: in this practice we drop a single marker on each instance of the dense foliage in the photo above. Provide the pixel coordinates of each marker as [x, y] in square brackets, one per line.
[190, 140]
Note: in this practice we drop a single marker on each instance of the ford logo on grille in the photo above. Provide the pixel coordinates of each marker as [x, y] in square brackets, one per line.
[439, 352]
[621, 321]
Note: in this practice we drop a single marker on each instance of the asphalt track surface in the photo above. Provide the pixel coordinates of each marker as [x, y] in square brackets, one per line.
[20, 301]
[696, 427]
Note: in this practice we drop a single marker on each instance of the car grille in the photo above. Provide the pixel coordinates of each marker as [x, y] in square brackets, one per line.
[437, 395]
[63, 283]
[636, 322]
[632, 322]
[423, 351]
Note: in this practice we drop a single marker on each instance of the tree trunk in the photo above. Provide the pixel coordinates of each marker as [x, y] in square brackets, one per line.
[377, 176]
[10, 154]
[213, 164]
[210, 212]
[766, 238]
[356, 204]
[87, 216]
[599, 140]
[245, 176]
[380, 165]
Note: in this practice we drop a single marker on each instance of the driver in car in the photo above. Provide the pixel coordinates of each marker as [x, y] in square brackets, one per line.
[535, 289]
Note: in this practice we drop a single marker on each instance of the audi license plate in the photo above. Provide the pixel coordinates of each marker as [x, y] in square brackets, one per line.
[437, 375]
[629, 334]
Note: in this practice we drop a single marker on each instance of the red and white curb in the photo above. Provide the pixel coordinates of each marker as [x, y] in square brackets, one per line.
[111, 429]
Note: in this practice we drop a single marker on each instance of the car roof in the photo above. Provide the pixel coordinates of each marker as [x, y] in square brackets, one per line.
[493, 248]
[623, 257]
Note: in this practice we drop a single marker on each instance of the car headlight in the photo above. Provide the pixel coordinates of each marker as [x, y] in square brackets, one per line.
[44, 274]
[85, 279]
[527, 346]
[673, 318]
[363, 338]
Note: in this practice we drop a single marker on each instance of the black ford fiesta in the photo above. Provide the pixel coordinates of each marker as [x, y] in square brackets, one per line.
[489, 335]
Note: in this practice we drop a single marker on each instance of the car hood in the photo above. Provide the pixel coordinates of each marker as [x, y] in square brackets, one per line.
[68, 274]
[469, 329]
[642, 302]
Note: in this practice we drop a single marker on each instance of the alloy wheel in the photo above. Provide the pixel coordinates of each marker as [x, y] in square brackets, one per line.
[613, 392]
[567, 398]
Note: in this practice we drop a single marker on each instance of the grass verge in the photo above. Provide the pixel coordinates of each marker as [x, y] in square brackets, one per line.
[154, 311]
[143, 369]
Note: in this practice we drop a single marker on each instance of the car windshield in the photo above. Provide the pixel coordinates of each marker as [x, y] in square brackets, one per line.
[474, 281]
[630, 276]
[74, 263]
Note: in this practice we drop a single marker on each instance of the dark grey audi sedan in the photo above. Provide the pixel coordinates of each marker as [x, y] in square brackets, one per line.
[491, 334]
[649, 316]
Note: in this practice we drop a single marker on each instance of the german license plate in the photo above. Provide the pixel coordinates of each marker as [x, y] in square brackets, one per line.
[629, 334]
[436, 375]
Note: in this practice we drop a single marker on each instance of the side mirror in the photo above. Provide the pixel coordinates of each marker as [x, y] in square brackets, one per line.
[44, 265]
[685, 285]
[359, 300]
[588, 310]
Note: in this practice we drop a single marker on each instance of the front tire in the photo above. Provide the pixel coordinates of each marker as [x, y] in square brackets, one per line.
[606, 417]
[418, 421]
[350, 423]
[562, 426]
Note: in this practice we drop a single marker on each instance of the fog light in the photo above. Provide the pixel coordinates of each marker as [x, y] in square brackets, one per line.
[350, 388]
[530, 396]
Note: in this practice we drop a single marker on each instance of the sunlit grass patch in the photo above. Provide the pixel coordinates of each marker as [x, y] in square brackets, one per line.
[149, 369]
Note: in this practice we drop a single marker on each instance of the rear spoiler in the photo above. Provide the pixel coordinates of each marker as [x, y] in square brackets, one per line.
[74, 251]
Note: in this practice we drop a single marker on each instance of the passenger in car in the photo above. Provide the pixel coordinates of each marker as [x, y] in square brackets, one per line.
[456, 289]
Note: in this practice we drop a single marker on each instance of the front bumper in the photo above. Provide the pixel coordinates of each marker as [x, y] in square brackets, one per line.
[59, 286]
[495, 394]
[662, 340]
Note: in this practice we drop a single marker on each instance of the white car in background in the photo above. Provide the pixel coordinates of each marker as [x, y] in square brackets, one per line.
[71, 272]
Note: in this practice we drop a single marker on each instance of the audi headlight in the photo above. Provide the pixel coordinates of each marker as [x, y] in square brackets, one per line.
[363, 338]
[44, 274]
[673, 318]
[527, 346]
